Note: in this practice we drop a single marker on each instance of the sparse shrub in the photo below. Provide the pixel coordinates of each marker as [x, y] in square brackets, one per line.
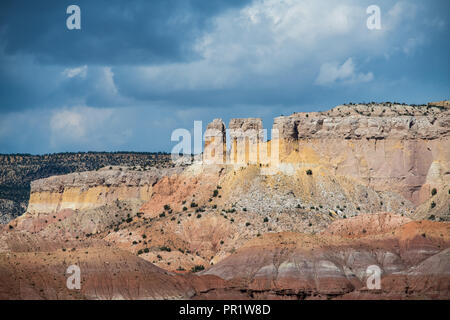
[197, 268]
[309, 172]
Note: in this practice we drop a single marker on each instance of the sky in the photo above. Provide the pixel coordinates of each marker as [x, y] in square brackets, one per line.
[138, 70]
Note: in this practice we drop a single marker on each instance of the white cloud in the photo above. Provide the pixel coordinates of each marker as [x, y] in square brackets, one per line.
[271, 42]
[76, 72]
[333, 72]
[69, 123]
[87, 126]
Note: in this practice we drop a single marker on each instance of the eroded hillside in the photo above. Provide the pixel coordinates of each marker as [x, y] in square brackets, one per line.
[352, 187]
[18, 170]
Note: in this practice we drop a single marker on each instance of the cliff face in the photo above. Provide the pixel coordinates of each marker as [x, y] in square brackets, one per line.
[215, 143]
[18, 170]
[399, 148]
[93, 189]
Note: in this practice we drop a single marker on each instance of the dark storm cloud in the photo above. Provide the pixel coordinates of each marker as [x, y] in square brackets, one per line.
[139, 69]
[36, 46]
[112, 31]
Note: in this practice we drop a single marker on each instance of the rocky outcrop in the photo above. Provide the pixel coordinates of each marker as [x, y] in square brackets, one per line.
[215, 143]
[89, 190]
[445, 104]
[18, 170]
[388, 147]
[246, 135]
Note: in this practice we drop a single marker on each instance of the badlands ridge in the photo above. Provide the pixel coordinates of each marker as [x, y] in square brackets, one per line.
[300, 216]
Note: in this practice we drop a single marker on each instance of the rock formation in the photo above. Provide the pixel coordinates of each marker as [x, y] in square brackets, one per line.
[301, 216]
[215, 143]
[398, 148]
[89, 190]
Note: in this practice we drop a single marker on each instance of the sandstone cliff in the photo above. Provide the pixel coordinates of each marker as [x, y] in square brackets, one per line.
[88, 190]
[387, 147]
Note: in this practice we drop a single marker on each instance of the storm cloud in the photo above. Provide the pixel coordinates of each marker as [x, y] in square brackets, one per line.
[139, 69]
